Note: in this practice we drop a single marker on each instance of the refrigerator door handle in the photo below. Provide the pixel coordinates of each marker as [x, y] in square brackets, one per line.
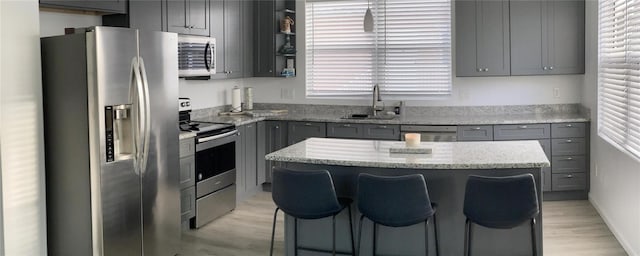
[136, 97]
[146, 117]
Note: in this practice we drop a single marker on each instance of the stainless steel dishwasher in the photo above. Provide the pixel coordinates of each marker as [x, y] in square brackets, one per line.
[431, 132]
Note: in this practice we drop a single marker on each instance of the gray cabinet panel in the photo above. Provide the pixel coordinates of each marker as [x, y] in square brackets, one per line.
[264, 44]
[572, 146]
[568, 130]
[188, 203]
[381, 132]
[177, 16]
[546, 147]
[261, 132]
[546, 179]
[482, 38]
[232, 38]
[247, 37]
[250, 152]
[189, 17]
[187, 171]
[299, 131]
[526, 37]
[475, 133]
[521, 132]
[569, 181]
[564, 164]
[240, 163]
[217, 32]
[566, 36]
[187, 147]
[342, 130]
[199, 17]
[142, 14]
[276, 138]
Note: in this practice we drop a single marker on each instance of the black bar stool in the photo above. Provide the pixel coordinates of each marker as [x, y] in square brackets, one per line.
[398, 201]
[308, 195]
[501, 203]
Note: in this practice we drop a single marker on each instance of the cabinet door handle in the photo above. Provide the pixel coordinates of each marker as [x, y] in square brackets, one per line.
[476, 128]
[551, 68]
[522, 127]
[486, 69]
[544, 68]
[277, 127]
[569, 125]
[568, 141]
[307, 124]
[479, 69]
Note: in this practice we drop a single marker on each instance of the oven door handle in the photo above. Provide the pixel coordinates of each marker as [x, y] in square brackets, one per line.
[226, 134]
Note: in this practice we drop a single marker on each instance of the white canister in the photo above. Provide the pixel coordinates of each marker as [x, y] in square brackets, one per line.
[235, 100]
[248, 98]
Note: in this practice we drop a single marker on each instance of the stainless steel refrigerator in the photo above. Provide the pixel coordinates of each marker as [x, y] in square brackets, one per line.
[111, 142]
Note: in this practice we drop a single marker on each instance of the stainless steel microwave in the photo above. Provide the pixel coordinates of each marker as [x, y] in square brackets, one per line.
[196, 56]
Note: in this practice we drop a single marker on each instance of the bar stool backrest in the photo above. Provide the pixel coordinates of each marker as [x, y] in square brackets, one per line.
[304, 194]
[395, 201]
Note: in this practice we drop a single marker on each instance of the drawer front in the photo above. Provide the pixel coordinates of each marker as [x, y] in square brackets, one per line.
[569, 181]
[299, 131]
[546, 147]
[475, 133]
[567, 164]
[568, 130]
[215, 205]
[188, 203]
[340, 130]
[521, 132]
[187, 171]
[565, 147]
[546, 179]
[381, 132]
[187, 147]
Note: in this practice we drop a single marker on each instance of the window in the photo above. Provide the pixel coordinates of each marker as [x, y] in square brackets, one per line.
[408, 54]
[619, 74]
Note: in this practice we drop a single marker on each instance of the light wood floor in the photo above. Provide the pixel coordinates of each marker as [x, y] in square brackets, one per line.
[571, 228]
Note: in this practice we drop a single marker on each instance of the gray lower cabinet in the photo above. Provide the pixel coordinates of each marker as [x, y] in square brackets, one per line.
[240, 162]
[246, 160]
[108, 6]
[569, 160]
[299, 131]
[187, 181]
[522, 132]
[547, 37]
[546, 171]
[189, 17]
[344, 130]
[275, 139]
[381, 132]
[482, 38]
[261, 152]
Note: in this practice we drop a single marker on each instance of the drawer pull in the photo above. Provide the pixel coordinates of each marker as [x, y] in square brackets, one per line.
[569, 125]
[568, 141]
[277, 127]
[569, 159]
[522, 127]
[346, 125]
[307, 124]
[382, 127]
[476, 128]
[569, 176]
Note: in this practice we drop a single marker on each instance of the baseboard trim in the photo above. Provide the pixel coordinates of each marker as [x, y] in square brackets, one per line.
[623, 242]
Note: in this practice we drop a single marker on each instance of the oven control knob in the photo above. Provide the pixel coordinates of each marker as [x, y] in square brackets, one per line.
[199, 176]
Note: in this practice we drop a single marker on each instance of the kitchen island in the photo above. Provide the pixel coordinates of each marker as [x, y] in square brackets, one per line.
[445, 170]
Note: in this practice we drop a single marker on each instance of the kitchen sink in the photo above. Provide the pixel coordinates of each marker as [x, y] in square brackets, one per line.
[369, 117]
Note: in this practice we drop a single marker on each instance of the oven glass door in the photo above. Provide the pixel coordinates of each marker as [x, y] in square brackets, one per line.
[215, 160]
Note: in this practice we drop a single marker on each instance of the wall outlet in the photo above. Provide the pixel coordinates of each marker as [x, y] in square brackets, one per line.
[287, 93]
[556, 92]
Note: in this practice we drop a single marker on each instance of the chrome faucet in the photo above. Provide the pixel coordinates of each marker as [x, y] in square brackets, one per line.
[376, 101]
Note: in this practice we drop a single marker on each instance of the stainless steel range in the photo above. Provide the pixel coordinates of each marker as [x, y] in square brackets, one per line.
[215, 166]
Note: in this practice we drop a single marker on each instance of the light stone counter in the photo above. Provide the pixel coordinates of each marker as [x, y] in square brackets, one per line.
[446, 155]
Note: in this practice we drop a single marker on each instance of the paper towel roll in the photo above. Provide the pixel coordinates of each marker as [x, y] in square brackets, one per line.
[248, 98]
[235, 100]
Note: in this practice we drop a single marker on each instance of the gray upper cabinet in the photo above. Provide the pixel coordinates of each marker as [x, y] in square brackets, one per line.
[142, 14]
[231, 25]
[482, 38]
[108, 6]
[190, 17]
[547, 37]
[264, 45]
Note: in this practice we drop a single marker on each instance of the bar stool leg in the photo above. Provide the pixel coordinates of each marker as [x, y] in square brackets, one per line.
[295, 236]
[467, 238]
[534, 246]
[333, 238]
[435, 233]
[375, 236]
[426, 237]
[273, 230]
[360, 235]
[353, 248]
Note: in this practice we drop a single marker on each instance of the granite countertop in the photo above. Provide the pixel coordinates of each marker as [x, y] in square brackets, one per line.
[186, 135]
[412, 119]
[445, 155]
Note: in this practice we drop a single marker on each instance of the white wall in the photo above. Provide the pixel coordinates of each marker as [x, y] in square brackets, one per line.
[615, 176]
[21, 136]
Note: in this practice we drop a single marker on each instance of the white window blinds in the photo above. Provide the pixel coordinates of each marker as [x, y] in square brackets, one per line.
[619, 74]
[408, 54]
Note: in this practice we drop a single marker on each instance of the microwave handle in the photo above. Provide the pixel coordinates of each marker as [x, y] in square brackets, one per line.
[213, 57]
[207, 50]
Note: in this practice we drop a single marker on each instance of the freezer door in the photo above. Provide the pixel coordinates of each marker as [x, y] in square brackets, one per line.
[116, 210]
[160, 182]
